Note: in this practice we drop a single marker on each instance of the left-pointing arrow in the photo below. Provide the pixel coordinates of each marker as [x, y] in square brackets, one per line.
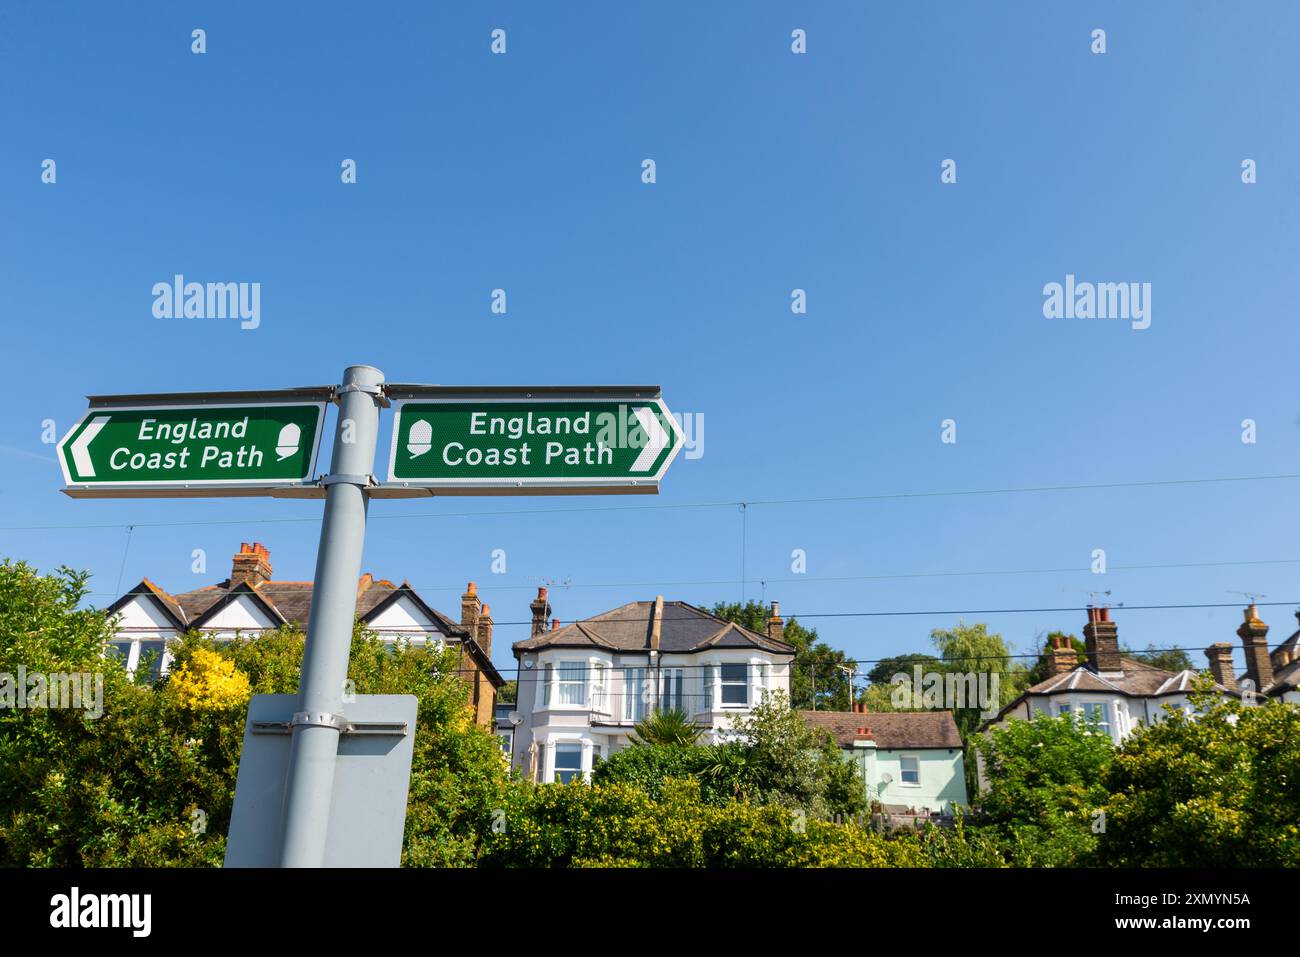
[81, 447]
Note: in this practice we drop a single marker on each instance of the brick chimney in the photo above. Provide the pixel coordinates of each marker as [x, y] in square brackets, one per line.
[1254, 639]
[555, 624]
[252, 565]
[1061, 657]
[485, 629]
[1101, 636]
[1220, 656]
[541, 609]
[775, 623]
[469, 610]
[364, 584]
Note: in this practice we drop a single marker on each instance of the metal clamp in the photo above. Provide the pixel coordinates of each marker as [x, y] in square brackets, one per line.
[319, 719]
[376, 392]
[323, 719]
[365, 481]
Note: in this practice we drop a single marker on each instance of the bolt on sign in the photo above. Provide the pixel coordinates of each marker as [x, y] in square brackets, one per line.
[121, 449]
[502, 441]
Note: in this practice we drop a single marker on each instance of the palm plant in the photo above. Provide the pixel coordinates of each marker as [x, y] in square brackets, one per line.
[666, 727]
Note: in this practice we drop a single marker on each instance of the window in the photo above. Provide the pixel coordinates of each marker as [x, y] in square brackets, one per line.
[634, 703]
[548, 675]
[1063, 708]
[119, 651]
[571, 679]
[909, 766]
[507, 743]
[598, 701]
[670, 690]
[710, 677]
[735, 686]
[568, 762]
[151, 658]
[1098, 715]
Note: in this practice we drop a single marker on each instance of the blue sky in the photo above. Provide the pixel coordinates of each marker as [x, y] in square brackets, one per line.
[775, 171]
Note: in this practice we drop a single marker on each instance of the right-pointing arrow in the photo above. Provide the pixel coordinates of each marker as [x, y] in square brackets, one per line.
[81, 447]
[656, 439]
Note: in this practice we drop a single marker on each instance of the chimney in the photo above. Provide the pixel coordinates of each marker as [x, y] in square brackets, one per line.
[541, 611]
[1254, 639]
[775, 624]
[1061, 657]
[1220, 656]
[485, 629]
[252, 565]
[1101, 636]
[555, 624]
[366, 581]
[469, 610]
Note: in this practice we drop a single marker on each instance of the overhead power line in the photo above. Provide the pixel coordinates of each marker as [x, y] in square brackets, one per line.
[748, 503]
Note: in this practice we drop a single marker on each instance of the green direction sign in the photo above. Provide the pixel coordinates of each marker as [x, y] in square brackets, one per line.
[525, 444]
[169, 450]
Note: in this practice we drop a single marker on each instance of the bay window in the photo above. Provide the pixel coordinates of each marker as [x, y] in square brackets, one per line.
[568, 761]
[735, 685]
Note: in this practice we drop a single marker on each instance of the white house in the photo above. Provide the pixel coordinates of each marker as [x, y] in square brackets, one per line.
[583, 687]
[1116, 694]
[251, 602]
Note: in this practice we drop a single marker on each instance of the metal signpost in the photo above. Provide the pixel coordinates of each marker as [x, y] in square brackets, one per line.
[334, 793]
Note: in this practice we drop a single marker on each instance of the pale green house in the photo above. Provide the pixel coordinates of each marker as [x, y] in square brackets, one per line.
[909, 761]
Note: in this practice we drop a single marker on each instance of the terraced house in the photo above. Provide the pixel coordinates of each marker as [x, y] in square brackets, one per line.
[583, 686]
[250, 602]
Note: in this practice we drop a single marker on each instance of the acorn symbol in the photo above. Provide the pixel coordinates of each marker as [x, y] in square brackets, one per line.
[420, 439]
[290, 439]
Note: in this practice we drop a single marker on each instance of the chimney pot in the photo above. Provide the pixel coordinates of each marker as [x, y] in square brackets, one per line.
[555, 624]
[541, 592]
[251, 565]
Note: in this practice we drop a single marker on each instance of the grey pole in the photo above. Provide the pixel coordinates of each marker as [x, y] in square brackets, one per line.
[318, 721]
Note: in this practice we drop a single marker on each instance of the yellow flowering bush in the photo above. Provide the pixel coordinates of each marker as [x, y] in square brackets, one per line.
[208, 682]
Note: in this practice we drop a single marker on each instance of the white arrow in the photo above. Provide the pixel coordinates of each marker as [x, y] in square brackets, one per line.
[81, 447]
[657, 438]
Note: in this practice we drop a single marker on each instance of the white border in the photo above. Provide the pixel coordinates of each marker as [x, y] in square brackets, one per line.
[194, 484]
[505, 484]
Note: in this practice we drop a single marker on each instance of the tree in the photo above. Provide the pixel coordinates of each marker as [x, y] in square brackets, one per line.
[148, 778]
[969, 650]
[508, 693]
[816, 681]
[1214, 789]
[671, 727]
[886, 668]
[786, 762]
[1169, 659]
[1045, 790]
